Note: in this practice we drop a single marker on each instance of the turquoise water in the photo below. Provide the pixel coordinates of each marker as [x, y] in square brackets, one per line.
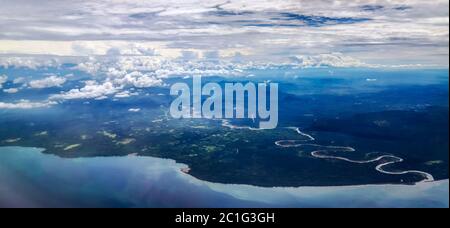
[29, 178]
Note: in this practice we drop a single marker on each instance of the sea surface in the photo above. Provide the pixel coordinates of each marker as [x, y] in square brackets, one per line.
[30, 178]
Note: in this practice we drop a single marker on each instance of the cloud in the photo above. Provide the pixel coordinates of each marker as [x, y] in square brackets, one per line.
[134, 110]
[91, 90]
[139, 44]
[28, 62]
[26, 104]
[138, 79]
[125, 94]
[52, 81]
[147, 71]
[328, 60]
[11, 90]
[270, 31]
[91, 66]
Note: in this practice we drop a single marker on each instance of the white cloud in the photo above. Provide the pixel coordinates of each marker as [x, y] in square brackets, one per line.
[101, 98]
[92, 90]
[139, 80]
[91, 66]
[147, 71]
[28, 62]
[52, 81]
[259, 29]
[328, 60]
[11, 90]
[125, 94]
[134, 110]
[25, 104]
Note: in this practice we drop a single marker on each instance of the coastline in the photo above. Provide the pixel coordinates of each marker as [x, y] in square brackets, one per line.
[149, 171]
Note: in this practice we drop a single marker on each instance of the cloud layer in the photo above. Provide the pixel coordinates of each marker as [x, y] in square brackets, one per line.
[134, 44]
[375, 31]
[25, 104]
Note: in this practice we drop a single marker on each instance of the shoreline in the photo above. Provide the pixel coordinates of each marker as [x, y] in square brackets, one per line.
[185, 167]
[142, 176]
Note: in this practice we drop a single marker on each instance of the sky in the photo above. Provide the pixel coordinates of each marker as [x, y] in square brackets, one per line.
[378, 32]
[136, 43]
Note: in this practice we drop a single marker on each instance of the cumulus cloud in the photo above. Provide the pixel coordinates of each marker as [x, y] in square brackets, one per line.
[48, 82]
[139, 80]
[147, 71]
[328, 60]
[28, 62]
[91, 90]
[25, 104]
[91, 66]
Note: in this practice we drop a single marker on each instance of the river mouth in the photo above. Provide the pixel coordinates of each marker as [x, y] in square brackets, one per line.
[30, 178]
